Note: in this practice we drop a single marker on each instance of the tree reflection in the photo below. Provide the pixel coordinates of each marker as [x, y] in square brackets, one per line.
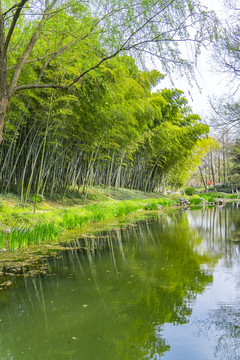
[220, 229]
[112, 297]
[224, 324]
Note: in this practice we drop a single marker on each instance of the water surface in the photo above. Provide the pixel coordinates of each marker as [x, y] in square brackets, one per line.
[166, 288]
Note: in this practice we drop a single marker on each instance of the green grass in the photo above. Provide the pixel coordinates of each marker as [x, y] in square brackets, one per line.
[127, 194]
[215, 194]
[47, 226]
[49, 223]
[211, 196]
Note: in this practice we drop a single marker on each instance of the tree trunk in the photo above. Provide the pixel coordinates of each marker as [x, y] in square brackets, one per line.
[3, 109]
[3, 75]
[219, 169]
[212, 169]
[204, 182]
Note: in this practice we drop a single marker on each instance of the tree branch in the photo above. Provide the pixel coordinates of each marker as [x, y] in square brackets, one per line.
[40, 86]
[33, 60]
[14, 21]
[28, 50]
[56, 53]
[96, 66]
[11, 8]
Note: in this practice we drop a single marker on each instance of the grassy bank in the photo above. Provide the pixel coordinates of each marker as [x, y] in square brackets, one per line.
[210, 197]
[27, 238]
[21, 228]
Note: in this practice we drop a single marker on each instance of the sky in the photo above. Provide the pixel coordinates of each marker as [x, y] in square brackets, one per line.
[211, 83]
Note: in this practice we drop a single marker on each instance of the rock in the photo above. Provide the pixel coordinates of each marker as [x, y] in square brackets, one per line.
[219, 202]
[183, 202]
[185, 208]
[5, 284]
[8, 229]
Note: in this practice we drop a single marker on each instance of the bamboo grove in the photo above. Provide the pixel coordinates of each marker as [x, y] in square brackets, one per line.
[76, 108]
[112, 130]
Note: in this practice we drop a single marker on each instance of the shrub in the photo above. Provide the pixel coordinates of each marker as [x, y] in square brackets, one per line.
[210, 199]
[232, 196]
[195, 200]
[190, 191]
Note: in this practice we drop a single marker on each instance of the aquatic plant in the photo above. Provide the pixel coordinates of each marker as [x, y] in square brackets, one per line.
[23, 236]
[2, 240]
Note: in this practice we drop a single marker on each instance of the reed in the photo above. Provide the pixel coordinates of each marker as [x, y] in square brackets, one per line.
[23, 237]
[72, 221]
[2, 240]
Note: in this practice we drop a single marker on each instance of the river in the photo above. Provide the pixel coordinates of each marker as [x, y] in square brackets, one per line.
[165, 288]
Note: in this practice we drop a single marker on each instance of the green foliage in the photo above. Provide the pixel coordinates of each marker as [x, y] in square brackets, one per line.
[151, 206]
[190, 191]
[111, 129]
[232, 196]
[112, 117]
[195, 200]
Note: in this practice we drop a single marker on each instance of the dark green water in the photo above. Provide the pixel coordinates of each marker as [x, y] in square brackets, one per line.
[167, 289]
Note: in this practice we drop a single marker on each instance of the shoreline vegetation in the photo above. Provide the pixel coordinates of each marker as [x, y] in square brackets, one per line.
[27, 237]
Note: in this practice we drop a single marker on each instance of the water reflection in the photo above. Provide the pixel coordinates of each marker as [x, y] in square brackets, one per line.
[220, 230]
[113, 296]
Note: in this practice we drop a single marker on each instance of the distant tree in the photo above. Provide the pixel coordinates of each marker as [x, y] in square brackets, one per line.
[227, 58]
[227, 49]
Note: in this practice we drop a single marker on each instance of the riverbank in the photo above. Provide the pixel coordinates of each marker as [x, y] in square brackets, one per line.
[27, 237]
